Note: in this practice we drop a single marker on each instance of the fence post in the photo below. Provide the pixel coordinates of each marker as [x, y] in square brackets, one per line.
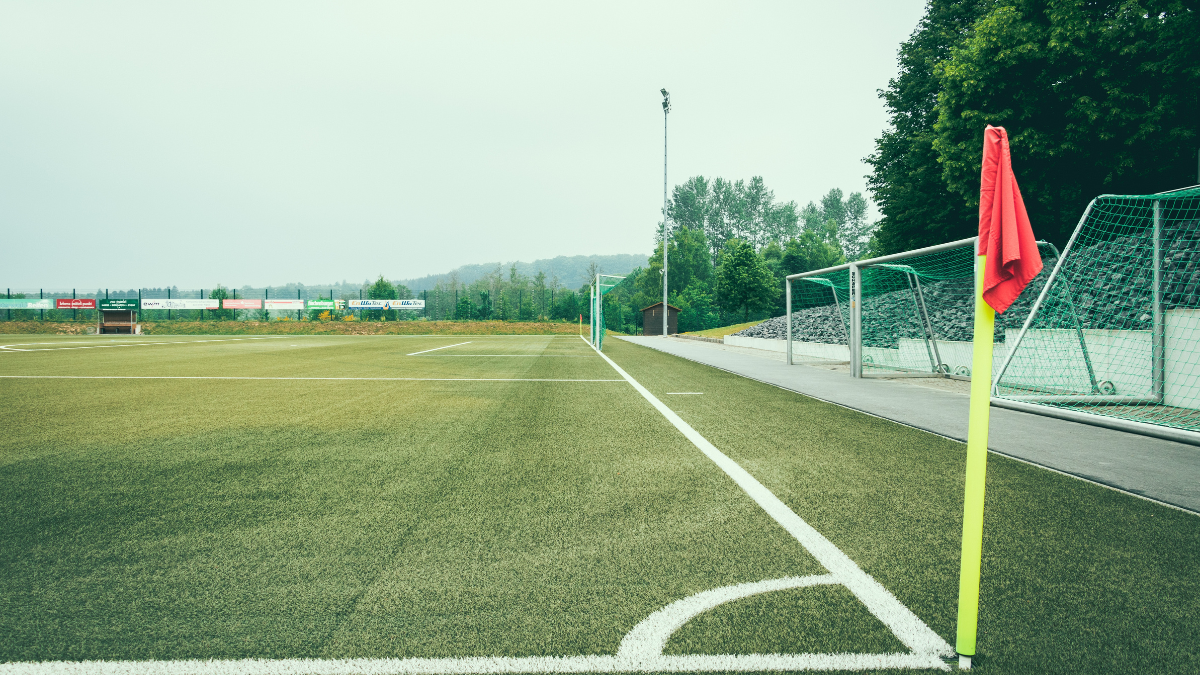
[10, 310]
[168, 306]
[855, 321]
[74, 312]
[41, 312]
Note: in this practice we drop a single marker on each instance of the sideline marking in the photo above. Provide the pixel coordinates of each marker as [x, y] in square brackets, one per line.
[530, 356]
[233, 377]
[905, 625]
[10, 348]
[437, 348]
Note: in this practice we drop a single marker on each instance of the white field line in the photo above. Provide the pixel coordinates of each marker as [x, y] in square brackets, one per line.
[348, 379]
[906, 626]
[445, 347]
[12, 347]
[648, 638]
[528, 356]
[480, 665]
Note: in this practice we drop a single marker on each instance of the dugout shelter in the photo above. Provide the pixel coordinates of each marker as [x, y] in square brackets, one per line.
[118, 316]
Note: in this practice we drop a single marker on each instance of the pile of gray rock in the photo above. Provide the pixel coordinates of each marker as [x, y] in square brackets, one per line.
[1104, 284]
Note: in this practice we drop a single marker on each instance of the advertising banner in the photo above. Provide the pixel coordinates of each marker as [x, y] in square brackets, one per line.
[173, 303]
[26, 303]
[387, 304]
[119, 304]
[283, 305]
[406, 304]
[369, 304]
[240, 303]
[75, 303]
[322, 304]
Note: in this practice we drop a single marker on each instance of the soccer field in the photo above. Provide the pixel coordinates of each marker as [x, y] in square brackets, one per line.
[475, 504]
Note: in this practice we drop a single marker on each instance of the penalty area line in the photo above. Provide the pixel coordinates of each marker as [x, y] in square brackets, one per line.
[437, 348]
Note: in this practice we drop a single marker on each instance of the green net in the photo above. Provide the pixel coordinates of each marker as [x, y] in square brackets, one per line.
[1118, 333]
[917, 312]
[604, 284]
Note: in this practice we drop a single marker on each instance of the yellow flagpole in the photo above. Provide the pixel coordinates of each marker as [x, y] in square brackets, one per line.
[977, 440]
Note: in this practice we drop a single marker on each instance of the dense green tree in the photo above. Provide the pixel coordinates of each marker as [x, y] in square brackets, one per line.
[697, 311]
[382, 289]
[745, 283]
[724, 210]
[1097, 97]
[221, 293]
[809, 252]
[906, 179]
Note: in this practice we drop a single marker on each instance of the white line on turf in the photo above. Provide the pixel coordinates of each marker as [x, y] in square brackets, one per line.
[907, 627]
[234, 377]
[445, 347]
[12, 347]
[648, 638]
[481, 665]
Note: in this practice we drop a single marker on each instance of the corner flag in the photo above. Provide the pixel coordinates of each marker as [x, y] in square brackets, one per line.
[1008, 260]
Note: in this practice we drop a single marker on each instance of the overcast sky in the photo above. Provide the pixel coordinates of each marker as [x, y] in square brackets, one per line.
[152, 144]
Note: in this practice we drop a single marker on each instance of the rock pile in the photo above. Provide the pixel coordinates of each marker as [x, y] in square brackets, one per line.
[1106, 284]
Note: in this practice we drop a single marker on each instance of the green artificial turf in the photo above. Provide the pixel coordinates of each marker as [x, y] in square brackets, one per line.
[1076, 578]
[272, 518]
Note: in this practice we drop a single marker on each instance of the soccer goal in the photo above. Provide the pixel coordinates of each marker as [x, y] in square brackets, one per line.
[602, 285]
[903, 315]
[1116, 330]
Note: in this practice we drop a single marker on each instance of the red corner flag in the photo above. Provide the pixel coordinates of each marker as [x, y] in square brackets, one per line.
[1005, 236]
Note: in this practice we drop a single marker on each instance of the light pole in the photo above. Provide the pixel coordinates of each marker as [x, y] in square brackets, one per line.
[666, 109]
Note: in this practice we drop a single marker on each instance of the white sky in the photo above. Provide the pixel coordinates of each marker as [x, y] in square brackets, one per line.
[151, 144]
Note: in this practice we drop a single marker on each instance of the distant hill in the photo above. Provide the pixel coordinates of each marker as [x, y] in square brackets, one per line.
[571, 270]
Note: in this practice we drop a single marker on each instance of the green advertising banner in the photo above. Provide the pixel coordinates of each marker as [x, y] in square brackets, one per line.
[321, 304]
[124, 304]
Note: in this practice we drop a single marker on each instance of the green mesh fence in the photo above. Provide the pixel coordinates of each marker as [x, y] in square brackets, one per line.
[916, 316]
[1118, 333]
[603, 285]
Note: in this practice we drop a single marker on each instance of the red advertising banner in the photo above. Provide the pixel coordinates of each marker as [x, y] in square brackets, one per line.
[73, 303]
[229, 303]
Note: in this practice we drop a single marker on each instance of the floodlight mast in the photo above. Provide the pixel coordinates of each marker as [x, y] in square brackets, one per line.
[666, 109]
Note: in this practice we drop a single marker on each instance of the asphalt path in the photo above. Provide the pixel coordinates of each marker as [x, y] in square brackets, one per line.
[1161, 470]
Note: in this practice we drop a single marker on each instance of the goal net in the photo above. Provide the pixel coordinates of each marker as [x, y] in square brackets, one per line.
[1117, 332]
[913, 318]
[603, 284]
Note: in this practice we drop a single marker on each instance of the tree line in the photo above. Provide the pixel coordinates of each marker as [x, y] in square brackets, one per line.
[730, 245]
[1097, 97]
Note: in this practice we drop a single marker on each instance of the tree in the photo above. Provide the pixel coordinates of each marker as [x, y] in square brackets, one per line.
[840, 222]
[382, 289]
[809, 252]
[906, 179]
[725, 210]
[221, 293]
[1097, 97]
[744, 281]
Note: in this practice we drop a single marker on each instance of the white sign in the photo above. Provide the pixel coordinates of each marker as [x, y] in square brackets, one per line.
[283, 304]
[23, 303]
[387, 304]
[174, 303]
[406, 304]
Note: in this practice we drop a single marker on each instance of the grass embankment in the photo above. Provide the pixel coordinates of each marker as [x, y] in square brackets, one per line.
[725, 330]
[307, 327]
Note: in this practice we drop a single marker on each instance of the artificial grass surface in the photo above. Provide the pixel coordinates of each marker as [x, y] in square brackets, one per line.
[166, 519]
[725, 330]
[307, 327]
[1076, 578]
